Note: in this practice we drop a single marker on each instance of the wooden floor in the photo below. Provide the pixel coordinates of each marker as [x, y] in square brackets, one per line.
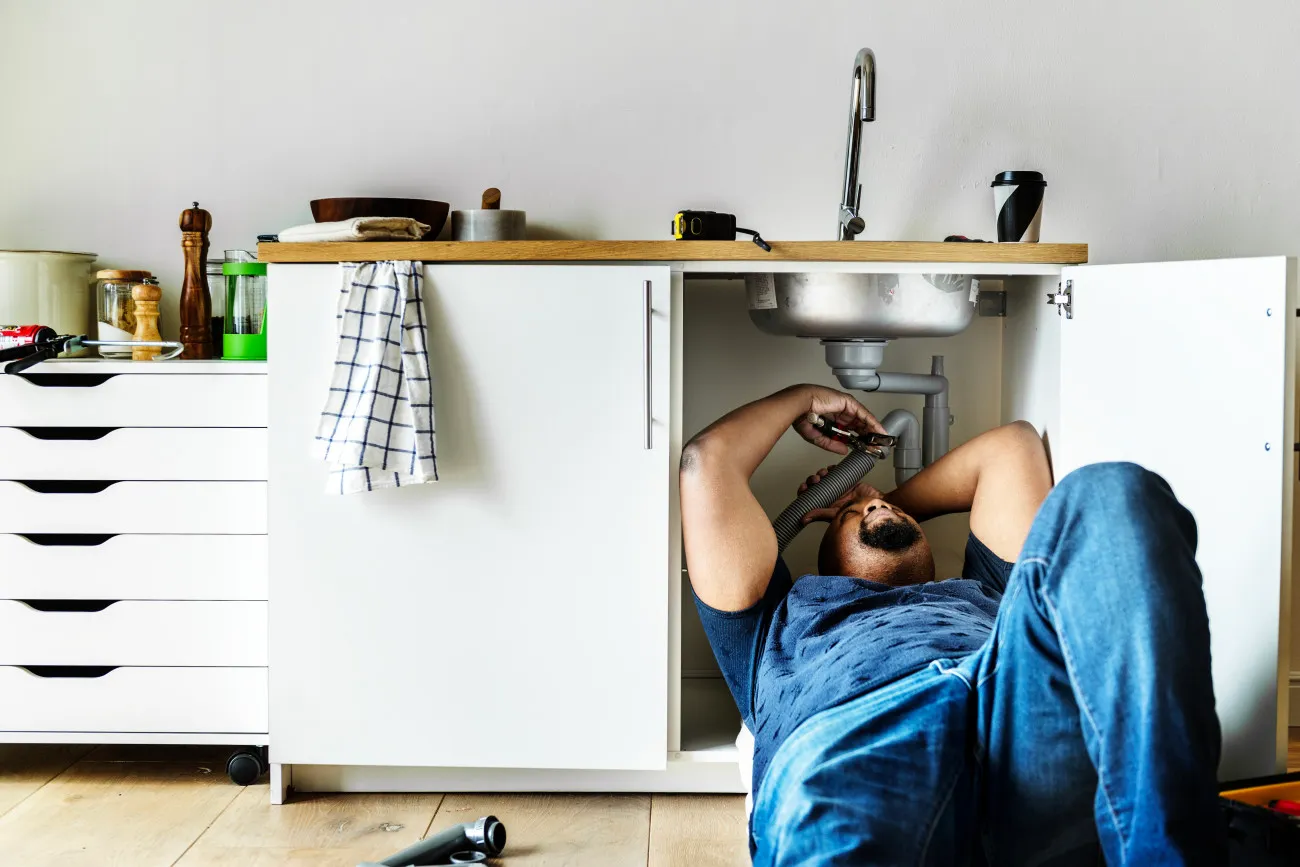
[146, 806]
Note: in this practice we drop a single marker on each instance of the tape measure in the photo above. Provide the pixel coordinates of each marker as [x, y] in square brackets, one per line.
[711, 226]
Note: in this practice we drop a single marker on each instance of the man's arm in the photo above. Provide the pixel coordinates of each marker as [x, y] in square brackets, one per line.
[1001, 477]
[730, 544]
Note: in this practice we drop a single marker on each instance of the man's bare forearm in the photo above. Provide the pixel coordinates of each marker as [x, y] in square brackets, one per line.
[945, 487]
[1000, 477]
[948, 485]
[738, 442]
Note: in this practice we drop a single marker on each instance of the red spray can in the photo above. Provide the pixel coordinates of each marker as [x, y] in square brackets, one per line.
[12, 336]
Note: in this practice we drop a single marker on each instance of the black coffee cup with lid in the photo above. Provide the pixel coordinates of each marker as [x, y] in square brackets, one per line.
[1018, 205]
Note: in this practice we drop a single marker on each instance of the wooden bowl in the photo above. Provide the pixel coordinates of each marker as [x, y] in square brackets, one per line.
[433, 214]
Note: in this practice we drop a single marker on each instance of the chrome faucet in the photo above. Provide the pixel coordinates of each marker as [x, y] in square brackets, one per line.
[862, 110]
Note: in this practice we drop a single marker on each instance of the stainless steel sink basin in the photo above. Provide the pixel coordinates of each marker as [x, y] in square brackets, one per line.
[832, 305]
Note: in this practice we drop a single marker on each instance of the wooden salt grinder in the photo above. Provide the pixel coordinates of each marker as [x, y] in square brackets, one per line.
[146, 296]
[196, 301]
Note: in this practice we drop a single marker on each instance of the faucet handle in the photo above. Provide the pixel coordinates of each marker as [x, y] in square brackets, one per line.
[852, 223]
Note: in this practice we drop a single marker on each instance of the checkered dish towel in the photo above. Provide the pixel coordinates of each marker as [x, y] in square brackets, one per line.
[377, 425]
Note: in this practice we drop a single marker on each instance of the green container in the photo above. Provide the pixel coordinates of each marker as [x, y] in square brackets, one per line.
[245, 331]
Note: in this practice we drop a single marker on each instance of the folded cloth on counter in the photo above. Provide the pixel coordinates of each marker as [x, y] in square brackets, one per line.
[377, 425]
[358, 229]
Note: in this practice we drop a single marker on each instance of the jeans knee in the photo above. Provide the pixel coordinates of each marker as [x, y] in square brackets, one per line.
[1119, 481]
[1119, 491]
[1131, 513]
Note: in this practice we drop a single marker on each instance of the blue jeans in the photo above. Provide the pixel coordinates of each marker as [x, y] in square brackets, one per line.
[1083, 727]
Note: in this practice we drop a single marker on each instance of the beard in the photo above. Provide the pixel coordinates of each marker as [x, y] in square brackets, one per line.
[893, 534]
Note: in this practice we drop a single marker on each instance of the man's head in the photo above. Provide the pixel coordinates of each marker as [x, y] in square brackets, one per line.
[868, 538]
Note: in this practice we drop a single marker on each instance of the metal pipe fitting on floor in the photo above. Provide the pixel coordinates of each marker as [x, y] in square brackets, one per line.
[466, 843]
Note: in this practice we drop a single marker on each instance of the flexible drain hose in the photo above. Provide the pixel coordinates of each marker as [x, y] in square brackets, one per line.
[841, 478]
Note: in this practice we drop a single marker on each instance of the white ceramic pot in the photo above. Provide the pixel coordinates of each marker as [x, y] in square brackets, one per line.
[40, 287]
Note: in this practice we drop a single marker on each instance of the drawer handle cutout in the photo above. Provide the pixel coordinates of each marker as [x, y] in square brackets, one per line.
[68, 670]
[67, 380]
[67, 433]
[57, 486]
[67, 539]
[50, 606]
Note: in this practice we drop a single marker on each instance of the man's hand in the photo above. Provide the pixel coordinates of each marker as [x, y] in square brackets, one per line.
[842, 409]
[859, 491]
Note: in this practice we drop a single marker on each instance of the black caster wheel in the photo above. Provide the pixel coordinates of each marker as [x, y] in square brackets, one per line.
[245, 767]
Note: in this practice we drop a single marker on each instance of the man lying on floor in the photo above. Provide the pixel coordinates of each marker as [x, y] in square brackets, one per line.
[1046, 712]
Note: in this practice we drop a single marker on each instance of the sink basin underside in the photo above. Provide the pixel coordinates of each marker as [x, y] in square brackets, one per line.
[860, 306]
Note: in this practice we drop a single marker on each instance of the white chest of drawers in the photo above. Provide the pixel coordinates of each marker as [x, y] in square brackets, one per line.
[133, 554]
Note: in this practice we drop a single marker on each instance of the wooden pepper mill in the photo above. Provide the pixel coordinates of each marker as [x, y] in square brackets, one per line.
[196, 301]
[146, 296]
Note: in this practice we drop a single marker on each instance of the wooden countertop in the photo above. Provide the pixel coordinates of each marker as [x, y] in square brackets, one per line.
[673, 251]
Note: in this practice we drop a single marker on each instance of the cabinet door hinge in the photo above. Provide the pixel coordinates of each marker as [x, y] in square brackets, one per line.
[1061, 298]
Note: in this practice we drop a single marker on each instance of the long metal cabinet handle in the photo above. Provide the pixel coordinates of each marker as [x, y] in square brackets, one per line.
[647, 359]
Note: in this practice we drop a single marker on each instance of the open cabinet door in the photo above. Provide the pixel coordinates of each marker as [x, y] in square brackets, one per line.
[1188, 369]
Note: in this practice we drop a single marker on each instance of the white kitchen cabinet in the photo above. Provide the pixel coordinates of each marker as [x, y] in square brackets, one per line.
[515, 613]
[133, 557]
[524, 624]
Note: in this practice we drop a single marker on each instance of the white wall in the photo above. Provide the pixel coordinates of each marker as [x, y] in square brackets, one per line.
[1166, 129]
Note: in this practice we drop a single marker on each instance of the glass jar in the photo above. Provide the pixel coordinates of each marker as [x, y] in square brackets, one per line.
[114, 309]
[217, 292]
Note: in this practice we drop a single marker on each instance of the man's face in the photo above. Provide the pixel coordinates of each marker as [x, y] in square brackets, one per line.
[868, 538]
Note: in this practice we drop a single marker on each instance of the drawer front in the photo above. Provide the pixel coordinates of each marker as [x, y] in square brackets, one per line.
[138, 453]
[136, 507]
[133, 400]
[133, 567]
[133, 633]
[135, 700]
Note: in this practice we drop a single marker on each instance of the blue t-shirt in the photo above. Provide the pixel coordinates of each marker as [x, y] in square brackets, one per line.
[827, 639]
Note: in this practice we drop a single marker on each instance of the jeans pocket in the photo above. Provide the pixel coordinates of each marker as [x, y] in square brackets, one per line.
[951, 668]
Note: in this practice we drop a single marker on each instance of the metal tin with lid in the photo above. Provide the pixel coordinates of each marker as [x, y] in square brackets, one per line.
[47, 286]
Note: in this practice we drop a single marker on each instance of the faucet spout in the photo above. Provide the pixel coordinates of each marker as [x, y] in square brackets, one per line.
[862, 110]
